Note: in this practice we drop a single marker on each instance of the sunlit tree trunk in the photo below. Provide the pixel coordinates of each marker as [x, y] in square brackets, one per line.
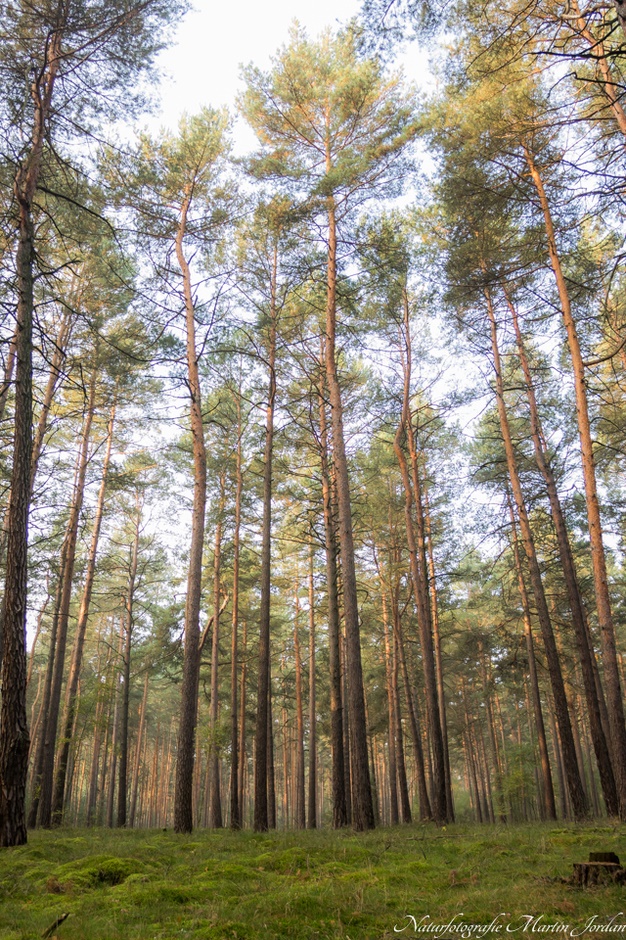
[598, 558]
[583, 639]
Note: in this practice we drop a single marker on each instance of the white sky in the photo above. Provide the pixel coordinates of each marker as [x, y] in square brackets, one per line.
[216, 38]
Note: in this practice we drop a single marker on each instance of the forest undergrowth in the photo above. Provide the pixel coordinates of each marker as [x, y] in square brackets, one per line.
[316, 884]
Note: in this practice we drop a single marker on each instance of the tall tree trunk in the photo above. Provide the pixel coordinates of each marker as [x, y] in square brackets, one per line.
[79, 640]
[122, 789]
[92, 791]
[391, 718]
[14, 739]
[312, 807]
[138, 749]
[420, 584]
[403, 788]
[235, 799]
[608, 82]
[56, 366]
[547, 789]
[183, 797]
[109, 791]
[362, 806]
[261, 821]
[598, 559]
[40, 736]
[55, 371]
[338, 781]
[243, 761]
[416, 732]
[346, 730]
[271, 779]
[583, 639]
[52, 718]
[441, 695]
[215, 801]
[574, 783]
[496, 766]
[300, 818]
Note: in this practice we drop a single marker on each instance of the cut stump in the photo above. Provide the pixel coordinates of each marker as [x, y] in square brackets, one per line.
[602, 868]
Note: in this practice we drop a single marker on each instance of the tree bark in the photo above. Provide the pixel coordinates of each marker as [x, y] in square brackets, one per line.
[391, 719]
[56, 364]
[574, 783]
[420, 584]
[109, 791]
[40, 431]
[598, 559]
[608, 82]
[242, 722]
[52, 717]
[137, 765]
[300, 817]
[416, 732]
[235, 793]
[271, 780]
[79, 640]
[579, 621]
[183, 804]
[122, 789]
[441, 695]
[261, 820]
[362, 806]
[403, 787]
[215, 800]
[338, 781]
[312, 806]
[14, 740]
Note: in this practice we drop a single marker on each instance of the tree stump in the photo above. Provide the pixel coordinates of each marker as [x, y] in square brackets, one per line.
[601, 869]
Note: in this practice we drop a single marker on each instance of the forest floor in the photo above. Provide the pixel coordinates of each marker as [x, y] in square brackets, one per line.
[154, 884]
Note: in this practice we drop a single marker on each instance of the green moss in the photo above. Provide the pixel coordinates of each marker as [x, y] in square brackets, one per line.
[146, 885]
[97, 870]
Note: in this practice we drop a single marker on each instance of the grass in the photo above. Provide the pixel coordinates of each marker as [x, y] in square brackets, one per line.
[135, 885]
